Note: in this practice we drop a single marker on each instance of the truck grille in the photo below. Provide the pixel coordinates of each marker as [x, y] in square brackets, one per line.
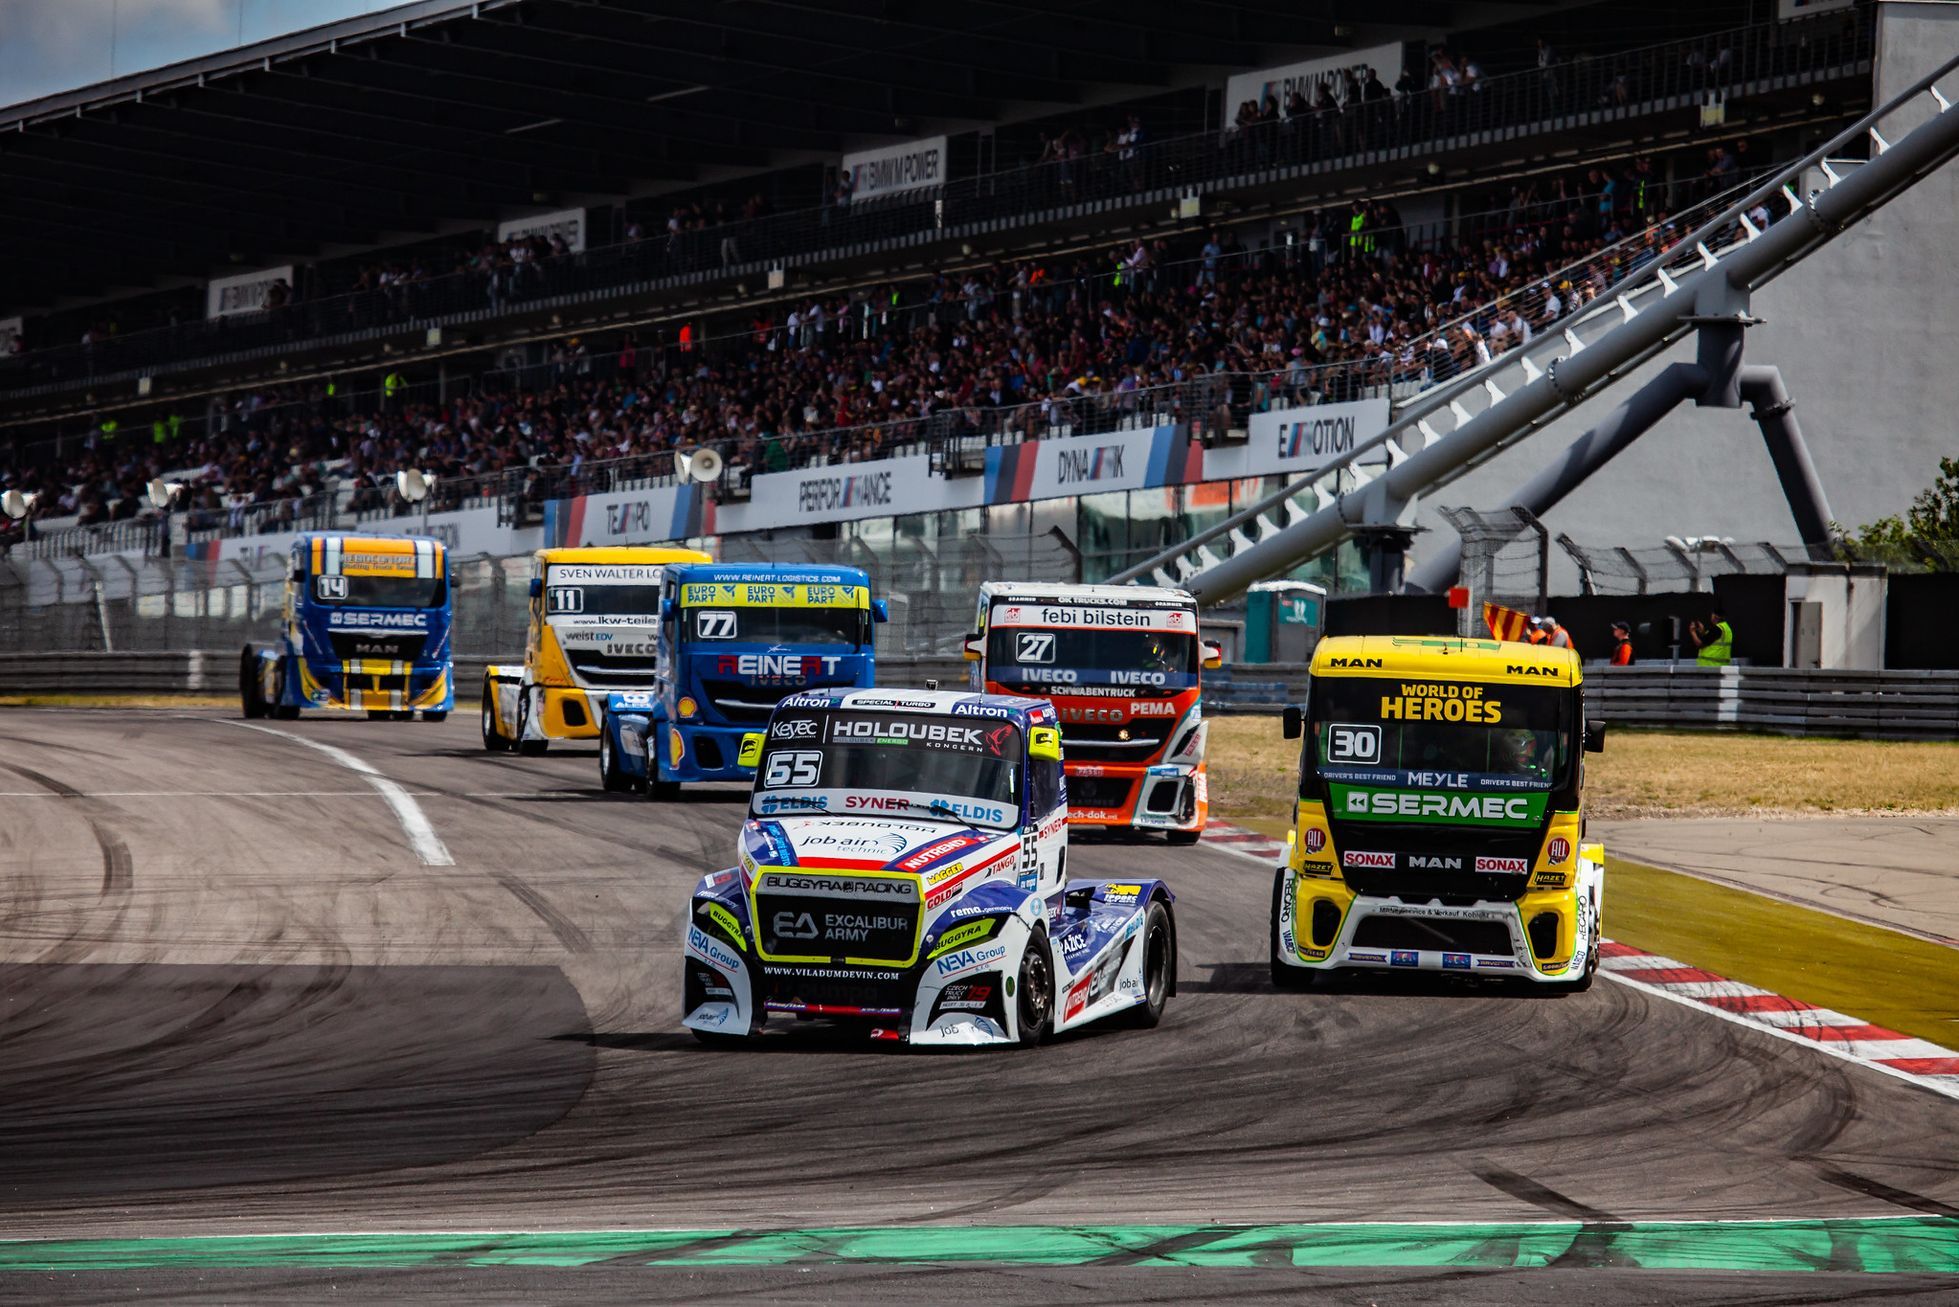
[349, 645]
[603, 671]
[868, 917]
[872, 994]
[1100, 742]
[1445, 933]
[1099, 791]
[749, 705]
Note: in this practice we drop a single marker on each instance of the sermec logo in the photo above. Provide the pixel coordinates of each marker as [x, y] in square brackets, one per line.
[1384, 860]
[414, 620]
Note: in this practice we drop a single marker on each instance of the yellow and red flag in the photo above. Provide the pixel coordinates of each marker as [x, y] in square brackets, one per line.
[1505, 623]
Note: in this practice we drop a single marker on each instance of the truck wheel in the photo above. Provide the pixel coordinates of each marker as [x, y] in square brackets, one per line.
[493, 737]
[1159, 965]
[249, 701]
[611, 776]
[1584, 982]
[1034, 992]
[1182, 839]
[529, 748]
[1284, 975]
[280, 709]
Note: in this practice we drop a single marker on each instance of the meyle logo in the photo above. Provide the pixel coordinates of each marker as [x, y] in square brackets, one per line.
[1368, 860]
[819, 494]
[1102, 463]
[417, 621]
[1319, 436]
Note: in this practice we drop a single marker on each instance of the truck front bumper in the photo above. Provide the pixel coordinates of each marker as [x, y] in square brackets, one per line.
[1116, 796]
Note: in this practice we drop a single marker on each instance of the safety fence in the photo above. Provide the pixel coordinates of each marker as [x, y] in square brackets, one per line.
[1772, 700]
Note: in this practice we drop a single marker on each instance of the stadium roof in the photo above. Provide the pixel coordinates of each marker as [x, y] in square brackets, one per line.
[439, 113]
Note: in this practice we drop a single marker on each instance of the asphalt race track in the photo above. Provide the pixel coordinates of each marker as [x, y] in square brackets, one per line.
[235, 1000]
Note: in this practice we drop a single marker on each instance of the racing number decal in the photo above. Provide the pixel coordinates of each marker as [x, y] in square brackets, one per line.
[564, 599]
[714, 624]
[1034, 647]
[331, 587]
[797, 768]
[1353, 743]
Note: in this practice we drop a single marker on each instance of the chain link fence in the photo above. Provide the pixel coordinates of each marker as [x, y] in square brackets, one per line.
[119, 604]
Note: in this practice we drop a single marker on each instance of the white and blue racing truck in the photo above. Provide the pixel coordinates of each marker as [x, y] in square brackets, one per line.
[903, 869]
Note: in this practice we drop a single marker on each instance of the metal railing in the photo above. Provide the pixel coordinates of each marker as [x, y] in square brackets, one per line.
[1628, 84]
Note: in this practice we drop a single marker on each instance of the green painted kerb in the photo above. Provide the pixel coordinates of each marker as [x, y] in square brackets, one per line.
[1921, 1245]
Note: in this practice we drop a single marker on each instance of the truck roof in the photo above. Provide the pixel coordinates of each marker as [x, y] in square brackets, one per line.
[605, 555]
[1056, 593]
[1446, 657]
[941, 703]
[799, 572]
[405, 544]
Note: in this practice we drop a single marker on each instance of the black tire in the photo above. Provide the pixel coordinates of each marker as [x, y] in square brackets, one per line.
[437, 715]
[494, 739]
[611, 776]
[1159, 967]
[1284, 975]
[1584, 982]
[249, 700]
[1034, 990]
[528, 748]
[280, 710]
[1183, 839]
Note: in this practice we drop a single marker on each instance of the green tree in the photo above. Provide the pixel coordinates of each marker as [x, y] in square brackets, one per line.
[1927, 534]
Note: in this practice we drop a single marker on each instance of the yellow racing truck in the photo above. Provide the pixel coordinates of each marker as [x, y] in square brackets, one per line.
[594, 629]
[1439, 823]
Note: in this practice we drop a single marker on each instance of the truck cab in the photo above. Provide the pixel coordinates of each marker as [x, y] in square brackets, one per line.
[1123, 665]
[594, 630]
[1439, 823]
[734, 639]
[364, 627]
[903, 870]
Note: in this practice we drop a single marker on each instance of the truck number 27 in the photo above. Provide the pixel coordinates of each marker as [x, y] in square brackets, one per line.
[1034, 647]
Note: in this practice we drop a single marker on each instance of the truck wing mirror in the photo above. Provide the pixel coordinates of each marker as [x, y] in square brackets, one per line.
[667, 609]
[1291, 722]
[1594, 735]
[880, 610]
[975, 647]
[1213, 655]
[1044, 744]
[751, 750]
[537, 586]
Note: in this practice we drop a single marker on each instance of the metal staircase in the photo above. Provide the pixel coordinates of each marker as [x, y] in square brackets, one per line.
[1703, 285]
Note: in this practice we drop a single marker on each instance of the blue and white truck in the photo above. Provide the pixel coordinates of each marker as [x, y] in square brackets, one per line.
[364, 627]
[733, 640]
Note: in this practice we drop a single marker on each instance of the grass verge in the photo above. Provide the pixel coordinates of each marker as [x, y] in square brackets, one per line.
[1910, 985]
[118, 701]
[1651, 774]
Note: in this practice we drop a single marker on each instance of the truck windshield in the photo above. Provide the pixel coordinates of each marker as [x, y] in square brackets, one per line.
[1426, 734]
[1021, 655]
[903, 764]
[381, 591]
[768, 625]
[607, 600]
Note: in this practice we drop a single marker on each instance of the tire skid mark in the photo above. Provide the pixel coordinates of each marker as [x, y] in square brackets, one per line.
[118, 870]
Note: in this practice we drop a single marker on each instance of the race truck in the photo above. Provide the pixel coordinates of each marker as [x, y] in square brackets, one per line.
[364, 627]
[734, 639]
[1123, 665]
[594, 630]
[903, 869]
[1439, 823]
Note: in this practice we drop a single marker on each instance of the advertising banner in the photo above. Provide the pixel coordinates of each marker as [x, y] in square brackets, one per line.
[1294, 440]
[10, 329]
[244, 293]
[568, 223]
[1308, 75]
[845, 492]
[890, 169]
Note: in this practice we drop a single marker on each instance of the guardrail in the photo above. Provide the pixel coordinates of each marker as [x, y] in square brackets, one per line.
[1778, 700]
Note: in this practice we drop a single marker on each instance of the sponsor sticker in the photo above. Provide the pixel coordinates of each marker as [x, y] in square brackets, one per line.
[1404, 958]
[1120, 893]
[1455, 961]
[1513, 866]
[1367, 957]
[1315, 839]
[1558, 849]
[1360, 859]
[1358, 803]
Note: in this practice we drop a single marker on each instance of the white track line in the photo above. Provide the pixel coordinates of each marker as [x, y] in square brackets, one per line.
[415, 825]
[1815, 1046]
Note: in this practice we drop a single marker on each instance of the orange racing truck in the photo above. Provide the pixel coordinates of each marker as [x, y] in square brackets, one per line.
[1124, 666]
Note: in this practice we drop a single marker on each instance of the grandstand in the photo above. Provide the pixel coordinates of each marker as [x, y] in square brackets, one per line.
[486, 242]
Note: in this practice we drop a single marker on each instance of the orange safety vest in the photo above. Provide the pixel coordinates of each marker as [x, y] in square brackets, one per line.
[1622, 656]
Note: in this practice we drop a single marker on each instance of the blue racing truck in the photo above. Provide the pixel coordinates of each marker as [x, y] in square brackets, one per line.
[364, 627]
[735, 639]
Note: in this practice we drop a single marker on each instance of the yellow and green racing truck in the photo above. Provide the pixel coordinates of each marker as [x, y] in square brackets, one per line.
[1439, 823]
